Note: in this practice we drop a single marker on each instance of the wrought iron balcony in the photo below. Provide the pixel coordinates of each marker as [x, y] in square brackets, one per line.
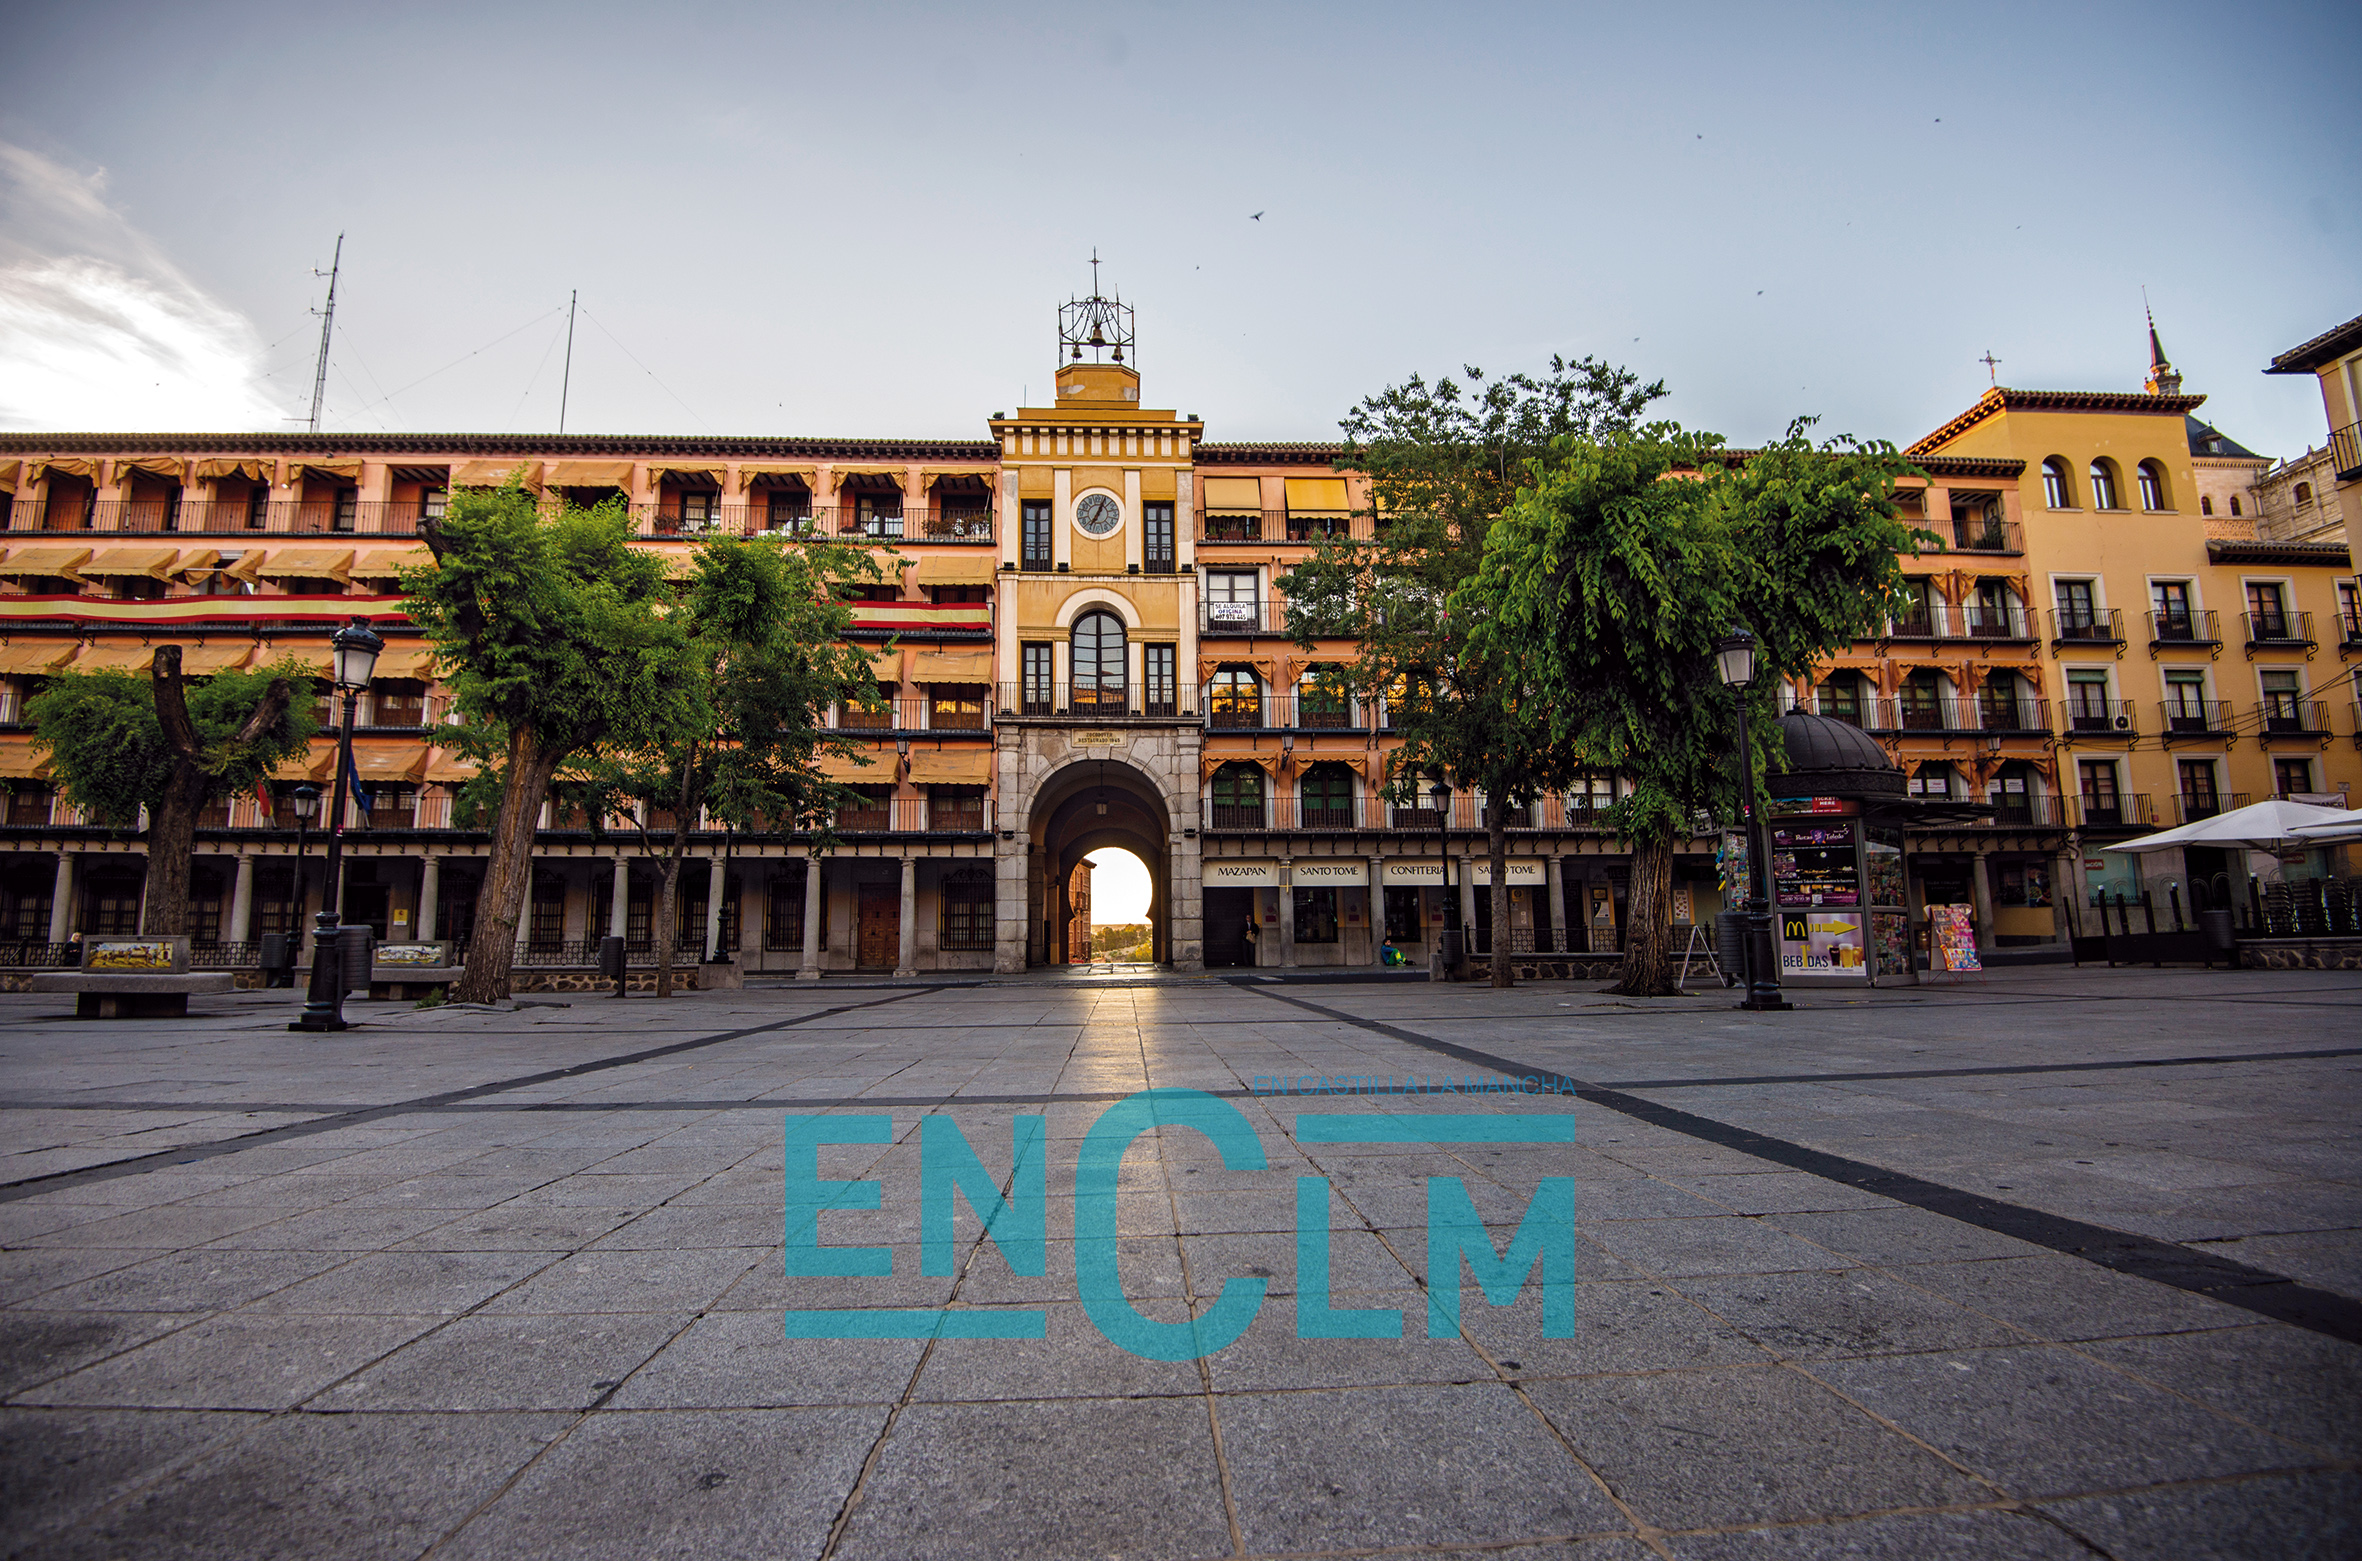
[202, 517]
[1979, 535]
[2087, 626]
[1262, 616]
[1984, 713]
[2279, 631]
[2021, 811]
[1159, 701]
[2194, 718]
[1277, 525]
[2100, 718]
[2197, 628]
[2292, 718]
[2118, 811]
[2196, 805]
[2345, 451]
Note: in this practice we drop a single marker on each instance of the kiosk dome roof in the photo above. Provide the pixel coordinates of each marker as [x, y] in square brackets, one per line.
[1830, 758]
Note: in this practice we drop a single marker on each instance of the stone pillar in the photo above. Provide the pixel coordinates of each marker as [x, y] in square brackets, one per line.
[815, 907]
[619, 904]
[1287, 914]
[430, 898]
[1980, 885]
[906, 959]
[61, 902]
[1377, 911]
[1468, 903]
[1554, 873]
[714, 880]
[241, 927]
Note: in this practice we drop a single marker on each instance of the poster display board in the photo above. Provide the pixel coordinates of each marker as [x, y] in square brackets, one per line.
[1953, 938]
[1823, 943]
[1815, 864]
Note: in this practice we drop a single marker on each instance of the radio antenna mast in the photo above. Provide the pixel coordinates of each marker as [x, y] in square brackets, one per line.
[566, 383]
[327, 324]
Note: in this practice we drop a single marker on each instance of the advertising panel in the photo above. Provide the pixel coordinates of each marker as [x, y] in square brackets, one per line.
[1822, 943]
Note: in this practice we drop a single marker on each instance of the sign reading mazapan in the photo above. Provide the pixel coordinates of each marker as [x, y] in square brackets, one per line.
[1224, 872]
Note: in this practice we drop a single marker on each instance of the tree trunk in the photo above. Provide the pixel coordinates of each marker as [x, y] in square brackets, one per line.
[1648, 921]
[1497, 836]
[668, 910]
[508, 874]
[172, 825]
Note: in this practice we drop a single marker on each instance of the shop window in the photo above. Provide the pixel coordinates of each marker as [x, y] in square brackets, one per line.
[1403, 921]
[2023, 883]
[1316, 915]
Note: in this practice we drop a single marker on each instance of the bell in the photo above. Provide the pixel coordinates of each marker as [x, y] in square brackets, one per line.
[1097, 340]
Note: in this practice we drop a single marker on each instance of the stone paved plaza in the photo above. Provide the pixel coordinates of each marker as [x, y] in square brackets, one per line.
[2061, 1264]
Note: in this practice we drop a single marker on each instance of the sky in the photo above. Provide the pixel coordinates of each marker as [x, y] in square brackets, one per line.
[1119, 887]
[858, 221]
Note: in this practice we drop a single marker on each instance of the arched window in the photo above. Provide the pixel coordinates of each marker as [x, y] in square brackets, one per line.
[1238, 797]
[2304, 493]
[1235, 698]
[2103, 484]
[1326, 797]
[1098, 644]
[1321, 701]
[2152, 480]
[2058, 489]
[2205, 503]
[2234, 504]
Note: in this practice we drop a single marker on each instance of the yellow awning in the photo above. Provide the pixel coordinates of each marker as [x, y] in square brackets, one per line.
[115, 658]
[679, 563]
[153, 562]
[452, 769]
[955, 569]
[53, 560]
[1316, 496]
[307, 563]
[388, 763]
[8, 475]
[319, 763]
[773, 474]
[691, 476]
[842, 767]
[947, 666]
[31, 658]
[71, 465]
[244, 565]
[406, 660]
[1234, 496]
[491, 474]
[587, 474]
[252, 471]
[20, 760]
[205, 660]
[384, 563]
[951, 767]
[196, 561]
[164, 466]
[886, 665]
[343, 471]
[895, 473]
[931, 475]
[312, 655]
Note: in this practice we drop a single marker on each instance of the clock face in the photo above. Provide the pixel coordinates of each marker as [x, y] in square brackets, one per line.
[1098, 514]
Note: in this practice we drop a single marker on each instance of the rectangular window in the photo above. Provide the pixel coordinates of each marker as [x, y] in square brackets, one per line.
[1156, 520]
[348, 509]
[2349, 614]
[1911, 616]
[548, 925]
[2292, 777]
[2170, 599]
[1036, 534]
[2185, 701]
[1037, 694]
[2077, 614]
[2199, 798]
[2087, 701]
[2267, 611]
[788, 509]
[956, 709]
[2102, 804]
[432, 502]
[1163, 679]
[1402, 915]
[1316, 915]
[1588, 796]
[955, 808]
[1231, 598]
[2283, 710]
[967, 916]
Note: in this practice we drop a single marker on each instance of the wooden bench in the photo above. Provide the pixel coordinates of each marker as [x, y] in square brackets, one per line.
[134, 978]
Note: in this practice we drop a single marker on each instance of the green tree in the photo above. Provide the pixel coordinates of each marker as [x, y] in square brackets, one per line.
[559, 643]
[1624, 562]
[1443, 463]
[766, 657]
[171, 745]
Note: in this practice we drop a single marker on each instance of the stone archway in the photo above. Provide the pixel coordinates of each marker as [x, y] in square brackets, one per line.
[1077, 800]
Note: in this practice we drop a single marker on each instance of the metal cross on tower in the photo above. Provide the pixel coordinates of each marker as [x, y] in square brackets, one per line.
[1992, 366]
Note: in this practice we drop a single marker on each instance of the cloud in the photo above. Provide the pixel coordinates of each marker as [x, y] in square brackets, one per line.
[99, 330]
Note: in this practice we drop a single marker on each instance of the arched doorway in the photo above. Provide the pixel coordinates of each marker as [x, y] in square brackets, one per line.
[1088, 805]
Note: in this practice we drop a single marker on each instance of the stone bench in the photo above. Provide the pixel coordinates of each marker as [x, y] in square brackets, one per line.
[406, 970]
[134, 978]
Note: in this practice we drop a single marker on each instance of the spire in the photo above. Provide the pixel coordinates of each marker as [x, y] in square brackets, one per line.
[2164, 380]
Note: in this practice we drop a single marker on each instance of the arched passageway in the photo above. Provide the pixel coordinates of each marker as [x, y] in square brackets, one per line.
[1082, 808]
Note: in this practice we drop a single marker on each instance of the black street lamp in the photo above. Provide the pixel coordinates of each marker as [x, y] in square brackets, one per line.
[1734, 656]
[1441, 795]
[354, 648]
[306, 800]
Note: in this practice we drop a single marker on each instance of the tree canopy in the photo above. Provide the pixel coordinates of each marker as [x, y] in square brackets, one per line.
[1616, 571]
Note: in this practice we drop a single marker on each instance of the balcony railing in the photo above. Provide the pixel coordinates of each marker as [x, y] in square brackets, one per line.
[2196, 627]
[2013, 810]
[200, 517]
[2196, 805]
[1157, 701]
[916, 714]
[912, 523]
[2279, 630]
[1230, 710]
[917, 815]
[2292, 718]
[1975, 621]
[2349, 629]
[2100, 718]
[2117, 810]
[1263, 616]
[2194, 718]
[2345, 451]
[2087, 626]
[1981, 714]
[1977, 535]
[1365, 812]
[1277, 525]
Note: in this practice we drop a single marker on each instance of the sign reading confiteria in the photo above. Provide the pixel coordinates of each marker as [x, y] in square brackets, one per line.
[1522, 869]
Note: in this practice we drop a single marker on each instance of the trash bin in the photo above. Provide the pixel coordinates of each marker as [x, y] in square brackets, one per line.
[355, 948]
[278, 959]
[2216, 925]
[1730, 945]
[611, 959]
[1454, 944]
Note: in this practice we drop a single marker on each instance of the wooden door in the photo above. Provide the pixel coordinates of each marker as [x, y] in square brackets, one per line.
[879, 936]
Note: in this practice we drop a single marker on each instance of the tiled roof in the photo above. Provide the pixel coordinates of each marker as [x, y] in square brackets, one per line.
[2333, 343]
[1270, 453]
[2001, 398]
[2206, 439]
[620, 445]
[2327, 555]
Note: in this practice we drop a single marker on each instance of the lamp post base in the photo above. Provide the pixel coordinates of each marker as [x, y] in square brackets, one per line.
[1763, 959]
[323, 1006]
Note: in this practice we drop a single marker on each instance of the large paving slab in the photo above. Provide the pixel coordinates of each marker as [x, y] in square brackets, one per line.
[2066, 1263]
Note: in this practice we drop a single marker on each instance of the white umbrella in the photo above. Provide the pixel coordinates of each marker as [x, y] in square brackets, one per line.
[2267, 826]
[2344, 826]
